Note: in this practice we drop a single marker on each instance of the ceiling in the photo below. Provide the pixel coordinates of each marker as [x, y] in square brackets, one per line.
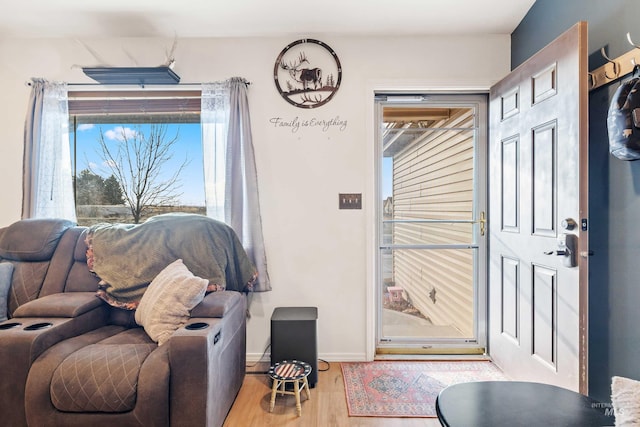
[256, 18]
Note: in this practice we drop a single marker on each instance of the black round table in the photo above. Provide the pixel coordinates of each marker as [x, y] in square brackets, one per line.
[513, 404]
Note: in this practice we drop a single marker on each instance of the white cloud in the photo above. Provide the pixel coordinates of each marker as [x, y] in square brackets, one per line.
[85, 126]
[109, 163]
[120, 133]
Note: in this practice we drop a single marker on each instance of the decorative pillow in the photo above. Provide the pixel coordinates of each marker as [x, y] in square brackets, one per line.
[6, 271]
[625, 398]
[166, 303]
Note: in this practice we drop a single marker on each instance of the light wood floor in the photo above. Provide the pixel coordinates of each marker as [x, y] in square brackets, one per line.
[326, 408]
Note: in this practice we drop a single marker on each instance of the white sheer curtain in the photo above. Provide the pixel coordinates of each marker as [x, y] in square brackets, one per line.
[47, 183]
[231, 186]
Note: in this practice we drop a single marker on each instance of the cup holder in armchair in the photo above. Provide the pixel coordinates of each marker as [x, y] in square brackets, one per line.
[9, 325]
[196, 326]
[38, 326]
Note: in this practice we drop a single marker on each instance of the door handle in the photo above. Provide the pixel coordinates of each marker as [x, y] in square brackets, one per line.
[558, 252]
[567, 244]
[483, 223]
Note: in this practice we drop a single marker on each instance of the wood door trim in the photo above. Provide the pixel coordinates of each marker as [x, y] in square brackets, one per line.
[583, 240]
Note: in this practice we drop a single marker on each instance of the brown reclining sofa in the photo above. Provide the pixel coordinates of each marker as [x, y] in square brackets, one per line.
[67, 358]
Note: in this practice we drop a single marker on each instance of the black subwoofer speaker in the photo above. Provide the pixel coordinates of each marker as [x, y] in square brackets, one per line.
[294, 336]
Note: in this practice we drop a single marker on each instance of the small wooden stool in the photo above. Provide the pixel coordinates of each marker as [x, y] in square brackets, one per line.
[289, 371]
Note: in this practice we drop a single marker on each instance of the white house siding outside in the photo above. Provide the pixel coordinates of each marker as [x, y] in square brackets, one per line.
[433, 179]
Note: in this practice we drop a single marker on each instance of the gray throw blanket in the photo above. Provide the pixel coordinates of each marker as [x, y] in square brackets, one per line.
[127, 257]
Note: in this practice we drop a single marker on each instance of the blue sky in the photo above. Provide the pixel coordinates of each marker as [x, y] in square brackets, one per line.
[189, 146]
[387, 177]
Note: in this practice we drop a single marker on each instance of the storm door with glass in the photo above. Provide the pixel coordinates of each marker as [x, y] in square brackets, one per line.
[431, 257]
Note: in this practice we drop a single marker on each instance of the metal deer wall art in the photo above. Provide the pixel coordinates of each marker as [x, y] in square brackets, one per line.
[307, 73]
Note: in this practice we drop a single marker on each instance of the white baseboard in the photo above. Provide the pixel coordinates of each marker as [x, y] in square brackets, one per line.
[329, 357]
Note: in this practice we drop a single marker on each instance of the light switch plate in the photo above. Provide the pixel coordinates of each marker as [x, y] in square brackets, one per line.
[350, 201]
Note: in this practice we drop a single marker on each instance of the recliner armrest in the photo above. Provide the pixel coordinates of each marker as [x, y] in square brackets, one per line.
[68, 304]
[217, 304]
[42, 323]
[207, 359]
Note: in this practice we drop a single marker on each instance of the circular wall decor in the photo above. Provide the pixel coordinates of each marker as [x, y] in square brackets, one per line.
[307, 73]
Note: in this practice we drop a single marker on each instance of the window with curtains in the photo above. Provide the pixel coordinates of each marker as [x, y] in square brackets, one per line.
[144, 157]
[135, 153]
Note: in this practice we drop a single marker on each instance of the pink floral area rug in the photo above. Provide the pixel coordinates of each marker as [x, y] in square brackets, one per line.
[407, 388]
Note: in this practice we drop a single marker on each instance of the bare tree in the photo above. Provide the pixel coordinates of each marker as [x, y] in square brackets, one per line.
[136, 160]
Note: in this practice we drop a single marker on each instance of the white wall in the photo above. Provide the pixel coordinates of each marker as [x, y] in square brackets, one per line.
[318, 255]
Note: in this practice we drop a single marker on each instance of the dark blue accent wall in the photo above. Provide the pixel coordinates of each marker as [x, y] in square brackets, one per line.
[614, 187]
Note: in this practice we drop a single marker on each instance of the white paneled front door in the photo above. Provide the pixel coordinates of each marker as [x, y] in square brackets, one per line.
[538, 201]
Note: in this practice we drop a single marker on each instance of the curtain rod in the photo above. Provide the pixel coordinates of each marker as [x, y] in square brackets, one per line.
[178, 86]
